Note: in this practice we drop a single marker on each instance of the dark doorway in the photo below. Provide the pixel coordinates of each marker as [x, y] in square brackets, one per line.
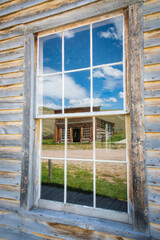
[76, 135]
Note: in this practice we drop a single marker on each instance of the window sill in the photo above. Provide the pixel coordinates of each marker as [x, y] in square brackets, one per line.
[84, 211]
[63, 219]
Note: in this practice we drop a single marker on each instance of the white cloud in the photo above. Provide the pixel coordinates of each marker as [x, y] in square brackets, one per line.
[85, 102]
[115, 32]
[112, 72]
[111, 75]
[67, 34]
[52, 105]
[47, 70]
[121, 94]
[110, 33]
[107, 71]
[51, 87]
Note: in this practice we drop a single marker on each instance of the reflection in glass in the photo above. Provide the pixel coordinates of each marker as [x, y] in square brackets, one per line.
[80, 182]
[77, 48]
[80, 138]
[111, 186]
[77, 92]
[52, 138]
[108, 41]
[50, 53]
[108, 88]
[50, 94]
[52, 177]
[110, 138]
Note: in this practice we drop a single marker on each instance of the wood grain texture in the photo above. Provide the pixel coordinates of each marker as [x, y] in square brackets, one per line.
[11, 55]
[13, 66]
[11, 105]
[152, 123]
[151, 22]
[153, 158]
[137, 117]
[153, 195]
[152, 56]
[12, 166]
[10, 81]
[56, 20]
[55, 228]
[10, 127]
[40, 11]
[153, 176]
[151, 7]
[152, 39]
[10, 153]
[152, 73]
[152, 106]
[28, 126]
[12, 115]
[4, 1]
[154, 213]
[7, 178]
[11, 91]
[15, 234]
[10, 194]
[16, 99]
[19, 5]
[12, 43]
[155, 230]
[152, 89]
[44, 10]
[11, 140]
[9, 203]
[152, 141]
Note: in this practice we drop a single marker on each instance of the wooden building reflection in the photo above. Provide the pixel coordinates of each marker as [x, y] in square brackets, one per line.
[81, 129]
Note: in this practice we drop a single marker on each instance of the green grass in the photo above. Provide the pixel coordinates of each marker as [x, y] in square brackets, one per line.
[80, 179]
[117, 137]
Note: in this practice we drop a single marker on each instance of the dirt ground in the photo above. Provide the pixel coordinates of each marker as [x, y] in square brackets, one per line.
[101, 154]
[103, 169]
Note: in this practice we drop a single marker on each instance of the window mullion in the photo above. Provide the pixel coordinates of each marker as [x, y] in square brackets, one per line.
[124, 70]
[62, 72]
[65, 164]
[94, 164]
[91, 70]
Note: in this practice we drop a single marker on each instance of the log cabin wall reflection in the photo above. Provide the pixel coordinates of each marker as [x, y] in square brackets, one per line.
[81, 129]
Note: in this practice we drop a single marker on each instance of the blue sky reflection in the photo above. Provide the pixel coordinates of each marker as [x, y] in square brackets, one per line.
[77, 48]
[108, 41]
[108, 87]
[77, 89]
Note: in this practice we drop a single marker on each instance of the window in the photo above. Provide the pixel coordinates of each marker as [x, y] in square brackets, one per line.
[81, 105]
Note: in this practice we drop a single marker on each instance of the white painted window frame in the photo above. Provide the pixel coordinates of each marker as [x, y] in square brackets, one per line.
[73, 208]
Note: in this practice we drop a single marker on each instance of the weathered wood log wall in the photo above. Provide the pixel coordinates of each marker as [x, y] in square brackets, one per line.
[17, 18]
[152, 110]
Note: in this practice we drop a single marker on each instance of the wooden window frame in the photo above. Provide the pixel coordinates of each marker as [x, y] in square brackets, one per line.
[134, 72]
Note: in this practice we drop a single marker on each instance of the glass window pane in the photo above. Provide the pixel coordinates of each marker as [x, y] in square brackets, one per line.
[77, 48]
[108, 41]
[77, 92]
[52, 138]
[111, 186]
[52, 160]
[108, 88]
[111, 138]
[52, 176]
[50, 94]
[50, 53]
[80, 182]
[80, 138]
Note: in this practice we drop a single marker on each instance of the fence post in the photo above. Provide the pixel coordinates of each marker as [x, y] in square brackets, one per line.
[50, 169]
